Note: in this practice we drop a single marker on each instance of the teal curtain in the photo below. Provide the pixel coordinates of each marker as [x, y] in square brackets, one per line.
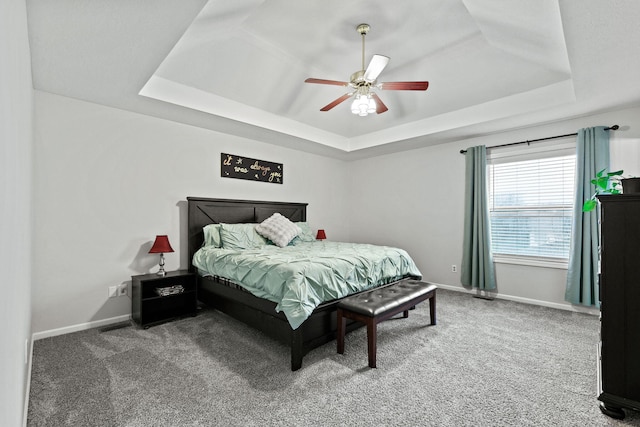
[592, 155]
[477, 269]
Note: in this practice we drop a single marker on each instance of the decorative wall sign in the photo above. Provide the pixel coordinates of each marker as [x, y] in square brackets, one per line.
[232, 166]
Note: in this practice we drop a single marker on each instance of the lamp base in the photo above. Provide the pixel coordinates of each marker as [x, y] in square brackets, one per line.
[161, 272]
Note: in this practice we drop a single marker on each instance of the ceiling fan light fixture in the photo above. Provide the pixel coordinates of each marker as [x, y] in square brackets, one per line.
[372, 104]
[355, 105]
[363, 105]
[362, 81]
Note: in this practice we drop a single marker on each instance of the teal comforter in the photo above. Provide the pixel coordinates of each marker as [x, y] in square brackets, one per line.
[299, 278]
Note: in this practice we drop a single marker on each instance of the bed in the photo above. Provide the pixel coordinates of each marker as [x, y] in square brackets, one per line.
[225, 294]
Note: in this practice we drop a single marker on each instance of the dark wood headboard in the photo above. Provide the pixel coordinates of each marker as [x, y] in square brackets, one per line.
[204, 211]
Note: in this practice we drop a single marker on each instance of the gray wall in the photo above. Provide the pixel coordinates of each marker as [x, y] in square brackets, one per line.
[16, 105]
[417, 198]
[106, 181]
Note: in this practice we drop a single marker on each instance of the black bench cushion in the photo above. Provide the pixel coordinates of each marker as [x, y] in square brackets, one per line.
[379, 301]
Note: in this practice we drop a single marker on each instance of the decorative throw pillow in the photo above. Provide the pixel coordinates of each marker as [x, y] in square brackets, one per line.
[278, 229]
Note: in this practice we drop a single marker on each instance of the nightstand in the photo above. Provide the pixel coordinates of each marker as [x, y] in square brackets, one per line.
[156, 299]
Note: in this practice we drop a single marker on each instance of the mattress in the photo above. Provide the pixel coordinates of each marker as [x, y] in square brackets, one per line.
[300, 277]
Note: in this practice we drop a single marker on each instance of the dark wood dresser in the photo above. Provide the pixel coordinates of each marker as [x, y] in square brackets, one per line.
[619, 350]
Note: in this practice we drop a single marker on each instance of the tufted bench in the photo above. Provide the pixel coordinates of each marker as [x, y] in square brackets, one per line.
[380, 304]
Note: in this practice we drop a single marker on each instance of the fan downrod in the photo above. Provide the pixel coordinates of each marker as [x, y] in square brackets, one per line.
[363, 29]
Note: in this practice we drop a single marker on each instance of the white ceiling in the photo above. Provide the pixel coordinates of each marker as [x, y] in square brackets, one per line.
[239, 66]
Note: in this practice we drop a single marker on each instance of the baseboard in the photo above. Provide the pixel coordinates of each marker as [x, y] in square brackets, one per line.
[25, 410]
[559, 306]
[79, 327]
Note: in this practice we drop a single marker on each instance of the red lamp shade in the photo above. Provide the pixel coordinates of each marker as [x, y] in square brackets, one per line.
[161, 245]
[321, 235]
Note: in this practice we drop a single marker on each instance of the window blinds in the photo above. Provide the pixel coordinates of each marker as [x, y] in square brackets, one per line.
[530, 205]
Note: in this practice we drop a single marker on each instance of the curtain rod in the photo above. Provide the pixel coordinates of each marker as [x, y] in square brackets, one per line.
[614, 127]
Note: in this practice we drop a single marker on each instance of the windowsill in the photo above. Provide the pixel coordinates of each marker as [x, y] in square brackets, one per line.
[531, 261]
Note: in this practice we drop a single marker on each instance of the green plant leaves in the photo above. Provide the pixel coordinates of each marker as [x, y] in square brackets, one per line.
[605, 184]
[589, 205]
[601, 182]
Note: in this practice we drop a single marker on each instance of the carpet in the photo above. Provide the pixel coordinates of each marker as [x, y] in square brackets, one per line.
[486, 363]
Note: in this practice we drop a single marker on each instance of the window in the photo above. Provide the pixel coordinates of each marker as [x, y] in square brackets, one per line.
[531, 203]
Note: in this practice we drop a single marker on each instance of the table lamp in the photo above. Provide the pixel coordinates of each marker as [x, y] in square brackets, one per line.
[321, 235]
[161, 246]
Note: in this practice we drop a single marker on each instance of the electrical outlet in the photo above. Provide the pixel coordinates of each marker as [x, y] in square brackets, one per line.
[122, 289]
[454, 268]
[113, 291]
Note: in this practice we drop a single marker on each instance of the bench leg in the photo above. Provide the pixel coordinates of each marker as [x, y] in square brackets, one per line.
[372, 329]
[432, 308]
[341, 331]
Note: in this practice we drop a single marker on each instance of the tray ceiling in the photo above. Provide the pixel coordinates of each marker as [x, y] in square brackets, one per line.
[239, 67]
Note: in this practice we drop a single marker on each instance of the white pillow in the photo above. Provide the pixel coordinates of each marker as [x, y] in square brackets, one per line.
[278, 229]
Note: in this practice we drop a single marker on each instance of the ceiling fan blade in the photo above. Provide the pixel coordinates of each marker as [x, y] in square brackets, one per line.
[404, 85]
[326, 82]
[380, 107]
[336, 102]
[377, 64]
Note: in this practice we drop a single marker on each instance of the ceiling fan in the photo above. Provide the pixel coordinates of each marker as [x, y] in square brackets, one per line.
[363, 82]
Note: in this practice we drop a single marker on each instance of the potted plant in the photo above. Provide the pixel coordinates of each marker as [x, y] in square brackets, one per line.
[605, 183]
